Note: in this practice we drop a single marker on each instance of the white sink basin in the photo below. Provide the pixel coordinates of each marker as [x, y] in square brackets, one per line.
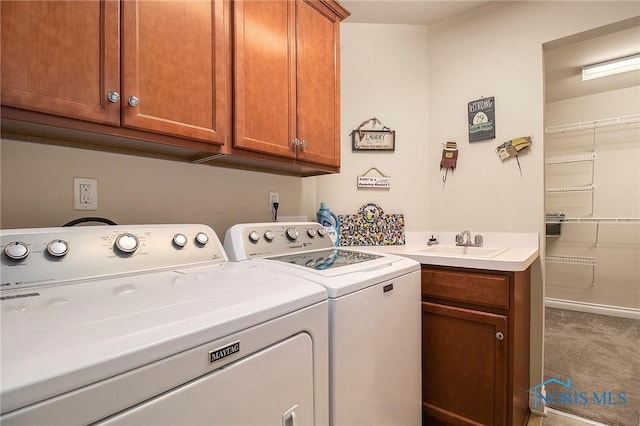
[484, 252]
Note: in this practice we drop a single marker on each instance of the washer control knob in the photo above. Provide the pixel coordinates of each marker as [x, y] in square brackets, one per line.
[16, 250]
[180, 240]
[311, 232]
[254, 237]
[58, 248]
[127, 243]
[202, 239]
[269, 235]
[322, 232]
[292, 234]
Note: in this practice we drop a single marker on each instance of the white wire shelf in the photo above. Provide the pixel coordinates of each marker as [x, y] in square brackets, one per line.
[571, 158]
[585, 188]
[606, 122]
[619, 220]
[572, 260]
[576, 260]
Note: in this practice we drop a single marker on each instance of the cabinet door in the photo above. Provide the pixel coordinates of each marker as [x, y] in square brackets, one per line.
[464, 365]
[62, 57]
[175, 64]
[318, 91]
[264, 76]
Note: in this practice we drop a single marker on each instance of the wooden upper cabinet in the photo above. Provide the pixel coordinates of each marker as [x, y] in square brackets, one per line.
[318, 83]
[264, 78]
[287, 79]
[174, 67]
[62, 57]
[179, 78]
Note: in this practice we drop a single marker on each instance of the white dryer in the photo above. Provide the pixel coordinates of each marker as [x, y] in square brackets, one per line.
[150, 324]
[374, 317]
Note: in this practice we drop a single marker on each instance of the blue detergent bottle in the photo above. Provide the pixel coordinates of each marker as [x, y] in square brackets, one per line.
[330, 222]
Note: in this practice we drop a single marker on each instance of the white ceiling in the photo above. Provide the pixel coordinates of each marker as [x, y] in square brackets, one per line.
[563, 58]
[411, 12]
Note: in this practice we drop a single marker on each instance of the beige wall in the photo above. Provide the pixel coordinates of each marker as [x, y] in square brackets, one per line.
[37, 189]
[384, 74]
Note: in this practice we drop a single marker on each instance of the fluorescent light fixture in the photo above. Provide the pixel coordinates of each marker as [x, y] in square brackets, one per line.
[616, 66]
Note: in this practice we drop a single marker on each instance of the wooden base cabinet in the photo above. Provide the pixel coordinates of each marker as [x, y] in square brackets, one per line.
[475, 346]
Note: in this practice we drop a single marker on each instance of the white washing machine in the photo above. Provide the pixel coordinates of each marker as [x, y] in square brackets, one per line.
[374, 317]
[151, 325]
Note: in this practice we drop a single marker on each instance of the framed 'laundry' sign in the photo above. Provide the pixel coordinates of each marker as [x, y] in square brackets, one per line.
[373, 140]
[482, 119]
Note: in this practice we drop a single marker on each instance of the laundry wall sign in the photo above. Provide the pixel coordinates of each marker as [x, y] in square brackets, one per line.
[363, 139]
[482, 119]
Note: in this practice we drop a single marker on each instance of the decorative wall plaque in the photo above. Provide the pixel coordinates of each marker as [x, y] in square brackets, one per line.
[482, 119]
[379, 182]
[373, 140]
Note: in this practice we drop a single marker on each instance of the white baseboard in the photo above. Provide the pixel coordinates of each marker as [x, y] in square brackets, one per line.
[539, 408]
[593, 308]
[574, 417]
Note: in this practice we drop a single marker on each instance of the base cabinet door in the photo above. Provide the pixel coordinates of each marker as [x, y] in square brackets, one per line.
[464, 366]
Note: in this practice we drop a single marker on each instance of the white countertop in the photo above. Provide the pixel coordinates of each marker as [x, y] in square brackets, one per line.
[522, 250]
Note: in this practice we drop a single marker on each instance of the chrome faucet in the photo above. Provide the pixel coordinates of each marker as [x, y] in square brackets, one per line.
[464, 239]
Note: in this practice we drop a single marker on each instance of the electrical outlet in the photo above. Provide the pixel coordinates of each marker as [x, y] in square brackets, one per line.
[274, 197]
[85, 193]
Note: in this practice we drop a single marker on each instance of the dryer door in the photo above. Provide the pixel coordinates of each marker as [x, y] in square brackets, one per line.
[271, 387]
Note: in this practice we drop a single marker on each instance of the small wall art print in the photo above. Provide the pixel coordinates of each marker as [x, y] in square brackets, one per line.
[482, 116]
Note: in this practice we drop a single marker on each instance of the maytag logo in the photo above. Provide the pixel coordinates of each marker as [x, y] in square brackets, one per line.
[223, 352]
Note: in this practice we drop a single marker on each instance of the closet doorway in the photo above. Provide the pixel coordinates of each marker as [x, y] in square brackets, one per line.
[592, 246]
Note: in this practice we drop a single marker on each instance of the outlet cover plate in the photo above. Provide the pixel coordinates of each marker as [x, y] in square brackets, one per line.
[85, 193]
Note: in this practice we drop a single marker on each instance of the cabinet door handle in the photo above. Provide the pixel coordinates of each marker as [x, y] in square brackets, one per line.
[114, 97]
[133, 101]
[295, 142]
[303, 143]
[499, 335]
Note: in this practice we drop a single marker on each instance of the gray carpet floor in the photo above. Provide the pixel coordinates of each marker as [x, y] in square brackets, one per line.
[600, 354]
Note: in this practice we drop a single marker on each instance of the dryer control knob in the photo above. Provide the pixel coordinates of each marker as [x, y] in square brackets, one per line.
[58, 248]
[202, 239]
[16, 250]
[127, 243]
[292, 234]
[180, 240]
[322, 232]
[269, 235]
[311, 232]
[254, 237]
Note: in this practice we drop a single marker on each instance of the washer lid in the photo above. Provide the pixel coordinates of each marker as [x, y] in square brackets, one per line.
[342, 271]
[61, 337]
[326, 259]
